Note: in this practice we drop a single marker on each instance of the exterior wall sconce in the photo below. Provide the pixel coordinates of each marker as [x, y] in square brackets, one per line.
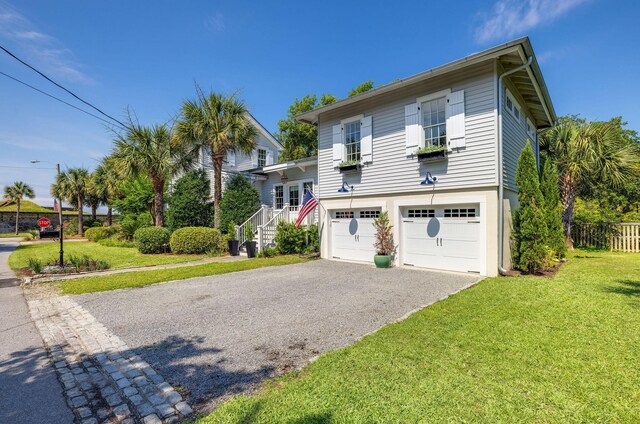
[345, 188]
[284, 179]
[429, 179]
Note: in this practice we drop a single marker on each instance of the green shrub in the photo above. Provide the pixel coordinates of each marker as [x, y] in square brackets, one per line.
[314, 239]
[70, 227]
[130, 223]
[267, 252]
[289, 239]
[196, 240]
[115, 241]
[189, 204]
[240, 200]
[35, 265]
[86, 263]
[90, 223]
[532, 226]
[550, 187]
[151, 239]
[99, 233]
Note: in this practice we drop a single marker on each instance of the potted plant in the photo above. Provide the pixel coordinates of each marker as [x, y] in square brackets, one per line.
[232, 240]
[349, 166]
[432, 153]
[250, 244]
[383, 241]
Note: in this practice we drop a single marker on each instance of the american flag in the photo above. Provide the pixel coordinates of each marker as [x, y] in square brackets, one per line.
[56, 207]
[309, 203]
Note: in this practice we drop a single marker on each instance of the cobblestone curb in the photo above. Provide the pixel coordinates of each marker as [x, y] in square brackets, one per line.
[104, 381]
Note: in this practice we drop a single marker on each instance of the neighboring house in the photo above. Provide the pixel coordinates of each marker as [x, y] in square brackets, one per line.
[470, 118]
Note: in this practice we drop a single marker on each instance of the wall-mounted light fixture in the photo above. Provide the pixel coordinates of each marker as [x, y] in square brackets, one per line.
[284, 179]
[345, 188]
[429, 179]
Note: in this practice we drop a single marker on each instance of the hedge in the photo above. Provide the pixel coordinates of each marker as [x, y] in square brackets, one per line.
[99, 233]
[151, 239]
[196, 240]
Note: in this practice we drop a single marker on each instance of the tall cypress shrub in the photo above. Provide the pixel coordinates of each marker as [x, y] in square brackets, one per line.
[550, 187]
[532, 231]
[189, 204]
[240, 200]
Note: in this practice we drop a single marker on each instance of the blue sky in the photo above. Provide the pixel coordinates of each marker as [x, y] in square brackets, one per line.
[146, 55]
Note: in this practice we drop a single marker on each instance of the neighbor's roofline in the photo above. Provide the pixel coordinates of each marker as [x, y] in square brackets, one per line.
[264, 131]
[494, 52]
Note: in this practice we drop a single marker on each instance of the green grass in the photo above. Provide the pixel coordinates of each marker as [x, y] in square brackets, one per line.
[118, 257]
[144, 278]
[12, 235]
[517, 349]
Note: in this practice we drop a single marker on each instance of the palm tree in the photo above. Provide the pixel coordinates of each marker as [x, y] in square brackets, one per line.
[72, 185]
[586, 153]
[16, 193]
[146, 150]
[219, 124]
[105, 183]
[95, 195]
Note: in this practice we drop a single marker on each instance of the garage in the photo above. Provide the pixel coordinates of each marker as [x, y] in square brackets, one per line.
[352, 234]
[442, 237]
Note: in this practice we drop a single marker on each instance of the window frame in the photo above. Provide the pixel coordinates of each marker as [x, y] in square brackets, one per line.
[514, 106]
[531, 129]
[345, 149]
[428, 98]
[275, 197]
[297, 187]
[258, 159]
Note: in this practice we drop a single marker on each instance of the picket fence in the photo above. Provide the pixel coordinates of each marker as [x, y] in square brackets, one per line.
[618, 237]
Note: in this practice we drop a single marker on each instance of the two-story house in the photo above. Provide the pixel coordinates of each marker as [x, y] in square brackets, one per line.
[438, 151]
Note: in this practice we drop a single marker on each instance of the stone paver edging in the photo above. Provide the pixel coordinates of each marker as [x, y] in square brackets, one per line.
[104, 381]
[47, 278]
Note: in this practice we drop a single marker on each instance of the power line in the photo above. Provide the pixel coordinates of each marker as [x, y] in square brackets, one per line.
[22, 167]
[55, 98]
[63, 88]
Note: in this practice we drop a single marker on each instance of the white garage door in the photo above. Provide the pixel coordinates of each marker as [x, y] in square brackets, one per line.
[445, 238]
[352, 234]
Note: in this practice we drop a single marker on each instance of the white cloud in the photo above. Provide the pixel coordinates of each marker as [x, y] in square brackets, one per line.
[35, 46]
[515, 17]
[215, 22]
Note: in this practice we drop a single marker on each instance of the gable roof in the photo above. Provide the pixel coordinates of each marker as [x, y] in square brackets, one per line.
[265, 132]
[509, 55]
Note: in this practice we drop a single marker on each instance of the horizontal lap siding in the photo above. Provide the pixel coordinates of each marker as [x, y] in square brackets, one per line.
[295, 174]
[391, 170]
[514, 138]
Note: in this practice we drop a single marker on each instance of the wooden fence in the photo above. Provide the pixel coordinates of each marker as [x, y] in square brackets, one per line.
[619, 237]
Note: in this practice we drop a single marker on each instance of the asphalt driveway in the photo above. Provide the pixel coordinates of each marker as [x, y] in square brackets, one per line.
[221, 335]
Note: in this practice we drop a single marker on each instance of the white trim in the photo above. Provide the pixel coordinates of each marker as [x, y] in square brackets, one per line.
[353, 118]
[273, 195]
[515, 105]
[265, 132]
[433, 96]
[531, 133]
[279, 167]
[444, 201]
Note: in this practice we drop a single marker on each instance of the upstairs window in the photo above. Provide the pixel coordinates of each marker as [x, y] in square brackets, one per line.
[531, 130]
[434, 123]
[352, 141]
[512, 106]
[262, 158]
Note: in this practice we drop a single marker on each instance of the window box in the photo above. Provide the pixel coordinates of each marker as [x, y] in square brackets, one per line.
[431, 154]
[351, 166]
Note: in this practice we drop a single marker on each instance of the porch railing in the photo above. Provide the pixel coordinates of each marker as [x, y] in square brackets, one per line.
[267, 231]
[262, 215]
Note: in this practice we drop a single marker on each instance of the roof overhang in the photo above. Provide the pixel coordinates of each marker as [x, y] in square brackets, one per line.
[301, 164]
[509, 55]
[265, 132]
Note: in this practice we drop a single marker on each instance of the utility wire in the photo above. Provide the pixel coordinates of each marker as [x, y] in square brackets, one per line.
[56, 98]
[63, 88]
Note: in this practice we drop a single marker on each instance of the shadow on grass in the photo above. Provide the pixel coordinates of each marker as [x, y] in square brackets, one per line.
[626, 287]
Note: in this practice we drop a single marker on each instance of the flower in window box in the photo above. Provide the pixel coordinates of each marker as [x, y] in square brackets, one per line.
[432, 153]
[349, 166]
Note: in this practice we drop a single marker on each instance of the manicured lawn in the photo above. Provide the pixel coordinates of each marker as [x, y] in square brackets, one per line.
[144, 278]
[518, 349]
[118, 257]
[12, 235]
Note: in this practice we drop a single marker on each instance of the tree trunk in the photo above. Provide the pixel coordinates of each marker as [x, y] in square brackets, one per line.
[109, 216]
[568, 198]
[94, 211]
[17, 215]
[158, 201]
[217, 187]
[80, 217]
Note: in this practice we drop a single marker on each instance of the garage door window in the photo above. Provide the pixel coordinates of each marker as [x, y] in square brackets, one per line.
[369, 214]
[421, 213]
[460, 213]
[344, 214]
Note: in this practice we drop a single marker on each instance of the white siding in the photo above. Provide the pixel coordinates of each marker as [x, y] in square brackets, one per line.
[392, 171]
[514, 138]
